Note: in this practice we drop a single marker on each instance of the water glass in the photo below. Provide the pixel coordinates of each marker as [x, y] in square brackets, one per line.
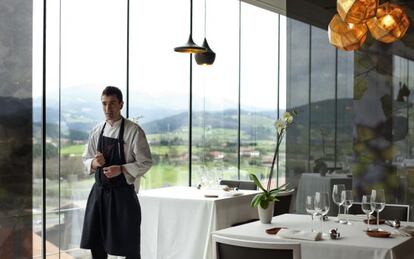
[378, 202]
[336, 197]
[346, 197]
[367, 208]
[310, 207]
[321, 203]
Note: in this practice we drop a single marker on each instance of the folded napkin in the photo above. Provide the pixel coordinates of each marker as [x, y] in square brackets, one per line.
[299, 234]
[407, 229]
[354, 217]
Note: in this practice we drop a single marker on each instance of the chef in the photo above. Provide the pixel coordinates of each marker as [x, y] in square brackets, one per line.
[117, 155]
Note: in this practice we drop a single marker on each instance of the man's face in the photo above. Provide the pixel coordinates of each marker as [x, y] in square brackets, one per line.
[111, 107]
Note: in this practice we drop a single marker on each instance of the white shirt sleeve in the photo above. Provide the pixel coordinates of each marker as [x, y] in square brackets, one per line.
[89, 153]
[141, 155]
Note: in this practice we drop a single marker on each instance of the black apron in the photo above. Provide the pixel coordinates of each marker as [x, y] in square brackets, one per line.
[113, 214]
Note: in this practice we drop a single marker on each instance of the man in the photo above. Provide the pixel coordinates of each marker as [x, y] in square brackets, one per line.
[117, 154]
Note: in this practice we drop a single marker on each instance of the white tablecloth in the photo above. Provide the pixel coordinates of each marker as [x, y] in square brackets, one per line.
[177, 221]
[353, 244]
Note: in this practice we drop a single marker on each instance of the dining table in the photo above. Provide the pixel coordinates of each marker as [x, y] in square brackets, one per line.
[353, 241]
[177, 221]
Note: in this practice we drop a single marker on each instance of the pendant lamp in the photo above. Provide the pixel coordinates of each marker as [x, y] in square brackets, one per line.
[390, 23]
[346, 36]
[208, 57]
[356, 11]
[190, 46]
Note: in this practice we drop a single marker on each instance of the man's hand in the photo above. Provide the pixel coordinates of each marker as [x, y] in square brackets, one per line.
[99, 161]
[112, 171]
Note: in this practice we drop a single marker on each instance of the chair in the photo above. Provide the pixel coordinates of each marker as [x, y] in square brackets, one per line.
[390, 212]
[242, 185]
[283, 205]
[230, 248]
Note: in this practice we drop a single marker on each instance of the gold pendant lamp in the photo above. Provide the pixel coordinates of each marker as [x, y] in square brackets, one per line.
[390, 23]
[346, 36]
[190, 46]
[356, 11]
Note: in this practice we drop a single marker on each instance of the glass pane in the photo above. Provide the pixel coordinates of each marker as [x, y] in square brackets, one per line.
[259, 91]
[159, 86]
[93, 55]
[344, 112]
[297, 85]
[215, 96]
[322, 128]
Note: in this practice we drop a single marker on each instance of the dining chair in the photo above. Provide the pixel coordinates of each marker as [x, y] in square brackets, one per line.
[242, 185]
[230, 248]
[390, 212]
[283, 205]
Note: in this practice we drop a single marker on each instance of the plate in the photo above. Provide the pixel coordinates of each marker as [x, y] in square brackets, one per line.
[374, 221]
[375, 233]
[232, 193]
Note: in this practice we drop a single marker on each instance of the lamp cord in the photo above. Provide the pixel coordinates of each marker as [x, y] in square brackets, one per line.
[191, 17]
[205, 18]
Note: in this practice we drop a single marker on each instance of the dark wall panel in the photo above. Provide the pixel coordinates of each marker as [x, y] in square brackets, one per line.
[15, 129]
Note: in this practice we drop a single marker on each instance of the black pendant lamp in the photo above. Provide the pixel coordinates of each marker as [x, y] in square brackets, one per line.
[208, 57]
[190, 46]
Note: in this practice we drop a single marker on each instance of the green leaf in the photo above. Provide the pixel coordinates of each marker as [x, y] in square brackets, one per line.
[257, 182]
[256, 200]
[264, 203]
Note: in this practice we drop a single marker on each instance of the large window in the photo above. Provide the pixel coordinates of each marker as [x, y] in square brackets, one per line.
[259, 82]
[215, 96]
[159, 86]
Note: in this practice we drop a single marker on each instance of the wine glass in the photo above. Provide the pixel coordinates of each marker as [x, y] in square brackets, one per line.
[367, 208]
[321, 205]
[346, 197]
[378, 202]
[336, 197]
[310, 207]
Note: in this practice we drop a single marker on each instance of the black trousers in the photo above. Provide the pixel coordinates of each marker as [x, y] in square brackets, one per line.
[99, 253]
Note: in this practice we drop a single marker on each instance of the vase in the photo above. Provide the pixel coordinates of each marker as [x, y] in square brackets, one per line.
[265, 215]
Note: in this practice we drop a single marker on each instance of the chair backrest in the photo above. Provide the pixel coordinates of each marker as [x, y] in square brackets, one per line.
[230, 248]
[283, 205]
[242, 185]
[390, 212]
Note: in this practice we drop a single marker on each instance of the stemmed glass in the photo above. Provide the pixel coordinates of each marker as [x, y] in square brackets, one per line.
[378, 202]
[367, 208]
[310, 207]
[336, 197]
[347, 201]
[321, 205]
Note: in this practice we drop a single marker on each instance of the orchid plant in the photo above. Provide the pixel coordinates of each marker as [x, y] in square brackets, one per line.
[270, 195]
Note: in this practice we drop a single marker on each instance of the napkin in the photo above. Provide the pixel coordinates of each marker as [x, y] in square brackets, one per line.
[299, 234]
[354, 217]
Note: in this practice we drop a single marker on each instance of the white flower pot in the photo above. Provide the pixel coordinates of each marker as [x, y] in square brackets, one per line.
[265, 215]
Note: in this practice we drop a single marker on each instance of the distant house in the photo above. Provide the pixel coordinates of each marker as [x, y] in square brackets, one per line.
[249, 152]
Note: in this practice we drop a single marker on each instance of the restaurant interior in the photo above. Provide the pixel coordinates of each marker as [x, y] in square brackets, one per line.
[277, 128]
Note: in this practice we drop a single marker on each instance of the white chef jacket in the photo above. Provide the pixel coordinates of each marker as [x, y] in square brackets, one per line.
[136, 148]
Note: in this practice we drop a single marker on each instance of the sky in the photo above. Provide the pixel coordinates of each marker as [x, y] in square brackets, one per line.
[92, 53]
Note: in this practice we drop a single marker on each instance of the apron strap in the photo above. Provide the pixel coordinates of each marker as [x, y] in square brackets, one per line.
[100, 147]
[121, 142]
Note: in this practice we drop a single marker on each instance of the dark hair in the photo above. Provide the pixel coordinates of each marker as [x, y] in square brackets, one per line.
[112, 90]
